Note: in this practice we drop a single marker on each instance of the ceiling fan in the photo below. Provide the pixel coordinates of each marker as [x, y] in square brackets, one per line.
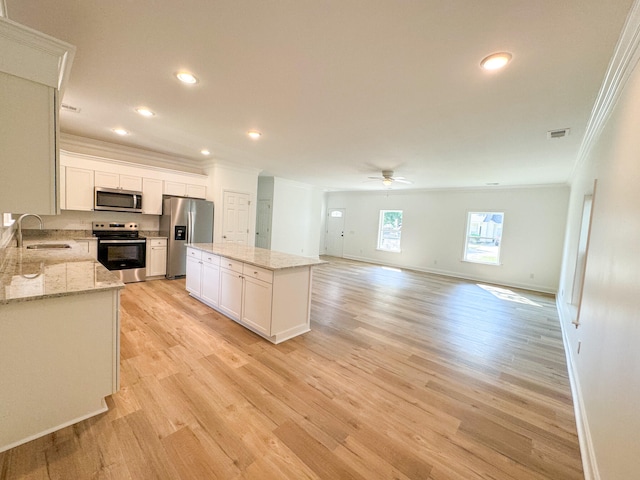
[387, 178]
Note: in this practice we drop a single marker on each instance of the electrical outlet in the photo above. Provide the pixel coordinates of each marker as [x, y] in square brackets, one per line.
[531, 275]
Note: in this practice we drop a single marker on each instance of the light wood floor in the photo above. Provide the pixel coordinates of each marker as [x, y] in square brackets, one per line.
[403, 376]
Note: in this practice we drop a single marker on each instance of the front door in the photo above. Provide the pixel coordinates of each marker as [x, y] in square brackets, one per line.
[335, 231]
[235, 220]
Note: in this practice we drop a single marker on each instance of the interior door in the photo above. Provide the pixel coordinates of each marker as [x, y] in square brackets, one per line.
[263, 224]
[235, 219]
[335, 232]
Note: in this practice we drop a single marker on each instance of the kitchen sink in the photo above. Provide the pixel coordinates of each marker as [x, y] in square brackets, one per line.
[38, 246]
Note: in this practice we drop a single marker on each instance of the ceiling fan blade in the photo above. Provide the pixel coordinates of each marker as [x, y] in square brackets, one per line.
[376, 178]
[402, 180]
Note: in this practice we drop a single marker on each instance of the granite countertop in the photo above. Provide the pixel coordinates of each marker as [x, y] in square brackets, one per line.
[27, 274]
[259, 257]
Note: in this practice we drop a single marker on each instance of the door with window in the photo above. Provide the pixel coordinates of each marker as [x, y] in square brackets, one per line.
[235, 219]
[335, 232]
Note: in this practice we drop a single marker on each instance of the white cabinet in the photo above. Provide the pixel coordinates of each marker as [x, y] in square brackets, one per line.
[184, 189]
[203, 276]
[156, 257]
[79, 188]
[115, 180]
[27, 146]
[256, 305]
[196, 191]
[32, 68]
[151, 196]
[231, 286]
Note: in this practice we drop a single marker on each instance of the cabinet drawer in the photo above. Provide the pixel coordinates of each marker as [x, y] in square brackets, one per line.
[258, 273]
[193, 253]
[158, 242]
[211, 258]
[229, 264]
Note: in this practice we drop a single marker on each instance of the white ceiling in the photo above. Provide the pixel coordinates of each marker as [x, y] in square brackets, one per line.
[341, 89]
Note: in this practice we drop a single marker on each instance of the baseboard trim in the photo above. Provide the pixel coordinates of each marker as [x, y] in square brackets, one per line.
[102, 409]
[446, 273]
[587, 451]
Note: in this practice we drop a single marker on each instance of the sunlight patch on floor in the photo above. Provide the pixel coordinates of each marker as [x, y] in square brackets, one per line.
[506, 294]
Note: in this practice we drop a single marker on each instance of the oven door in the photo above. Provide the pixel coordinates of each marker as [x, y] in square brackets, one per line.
[122, 254]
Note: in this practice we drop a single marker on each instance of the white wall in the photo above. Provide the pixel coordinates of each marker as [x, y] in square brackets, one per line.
[607, 369]
[232, 179]
[296, 218]
[434, 228]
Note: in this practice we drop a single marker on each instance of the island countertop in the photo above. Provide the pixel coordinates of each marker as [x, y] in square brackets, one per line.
[27, 274]
[260, 257]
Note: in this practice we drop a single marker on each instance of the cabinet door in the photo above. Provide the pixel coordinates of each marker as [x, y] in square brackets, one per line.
[79, 183]
[211, 283]
[27, 146]
[106, 179]
[256, 308]
[175, 188]
[230, 301]
[196, 191]
[157, 261]
[151, 196]
[131, 182]
[194, 275]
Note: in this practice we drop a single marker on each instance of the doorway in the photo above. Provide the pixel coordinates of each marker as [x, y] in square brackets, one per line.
[263, 224]
[335, 232]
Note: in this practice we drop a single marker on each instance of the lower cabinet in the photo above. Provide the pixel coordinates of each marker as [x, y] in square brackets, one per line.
[203, 276]
[156, 257]
[273, 304]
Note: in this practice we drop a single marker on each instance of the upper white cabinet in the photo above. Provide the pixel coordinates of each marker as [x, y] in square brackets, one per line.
[79, 188]
[115, 180]
[184, 189]
[152, 196]
[33, 68]
[84, 172]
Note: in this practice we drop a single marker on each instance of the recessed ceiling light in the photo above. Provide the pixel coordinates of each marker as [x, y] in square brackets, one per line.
[204, 151]
[120, 131]
[145, 112]
[254, 134]
[495, 61]
[186, 77]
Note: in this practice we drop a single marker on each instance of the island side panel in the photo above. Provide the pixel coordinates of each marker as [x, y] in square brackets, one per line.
[57, 363]
[291, 300]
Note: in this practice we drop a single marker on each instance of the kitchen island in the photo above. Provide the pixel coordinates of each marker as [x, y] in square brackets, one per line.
[60, 334]
[267, 292]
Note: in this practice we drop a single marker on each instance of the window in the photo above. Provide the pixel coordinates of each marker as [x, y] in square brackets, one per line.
[389, 230]
[484, 237]
[336, 214]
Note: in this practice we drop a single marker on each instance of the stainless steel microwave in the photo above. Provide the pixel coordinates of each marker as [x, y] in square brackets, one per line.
[116, 200]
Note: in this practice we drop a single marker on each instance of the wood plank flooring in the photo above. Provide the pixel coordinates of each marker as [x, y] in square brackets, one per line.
[404, 376]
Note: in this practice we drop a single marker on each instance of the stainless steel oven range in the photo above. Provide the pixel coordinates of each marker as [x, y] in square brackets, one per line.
[122, 250]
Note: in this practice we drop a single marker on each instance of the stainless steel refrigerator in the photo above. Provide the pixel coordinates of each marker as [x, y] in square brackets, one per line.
[184, 220]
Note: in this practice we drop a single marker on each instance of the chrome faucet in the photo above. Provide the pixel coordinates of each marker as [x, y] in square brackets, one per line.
[20, 225]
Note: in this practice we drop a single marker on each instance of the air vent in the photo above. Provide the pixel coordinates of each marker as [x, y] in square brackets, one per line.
[563, 132]
[69, 108]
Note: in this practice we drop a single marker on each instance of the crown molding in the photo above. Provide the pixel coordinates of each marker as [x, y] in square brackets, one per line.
[623, 62]
[123, 153]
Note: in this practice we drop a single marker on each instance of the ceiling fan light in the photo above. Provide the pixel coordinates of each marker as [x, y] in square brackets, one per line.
[387, 181]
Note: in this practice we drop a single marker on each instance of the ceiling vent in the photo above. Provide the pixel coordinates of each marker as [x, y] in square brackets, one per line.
[69, 108]
[563, 132]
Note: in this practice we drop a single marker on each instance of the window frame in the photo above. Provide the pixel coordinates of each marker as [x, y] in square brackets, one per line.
[468, 236]
[379, 245]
